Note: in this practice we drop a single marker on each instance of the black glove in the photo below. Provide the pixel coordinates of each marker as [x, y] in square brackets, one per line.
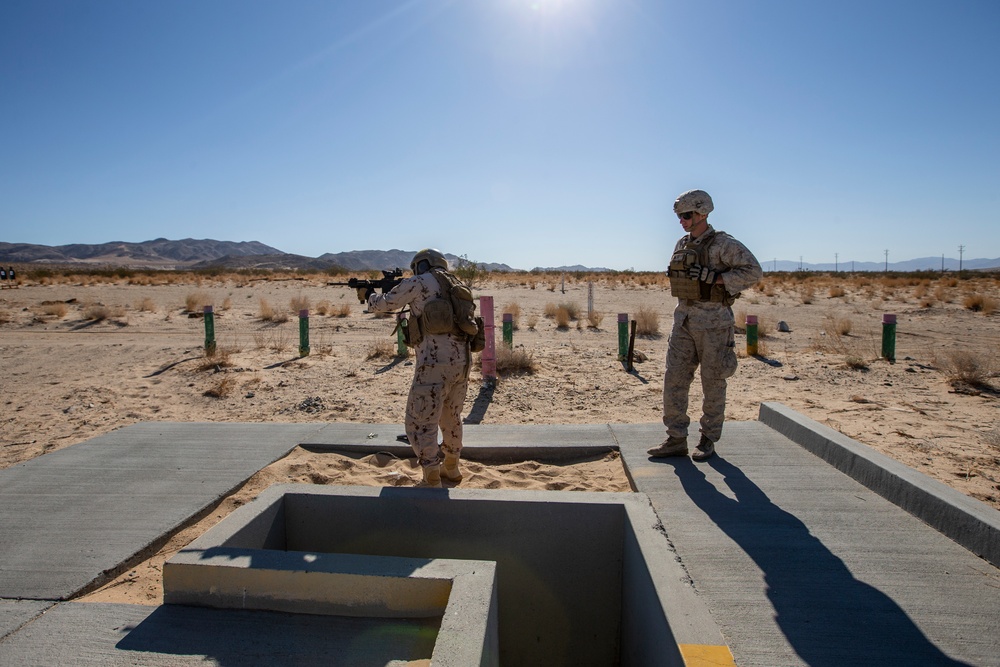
[369, 292]
[702, 273]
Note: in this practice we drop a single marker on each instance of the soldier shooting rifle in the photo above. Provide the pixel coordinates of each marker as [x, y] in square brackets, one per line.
[367, 287]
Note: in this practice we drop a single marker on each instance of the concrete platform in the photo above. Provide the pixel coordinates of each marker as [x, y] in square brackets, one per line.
[798, 562]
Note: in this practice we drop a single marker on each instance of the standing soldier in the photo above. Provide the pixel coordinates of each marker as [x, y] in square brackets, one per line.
[3, 278]
[441, 339]
[10, 277]
[708, 270]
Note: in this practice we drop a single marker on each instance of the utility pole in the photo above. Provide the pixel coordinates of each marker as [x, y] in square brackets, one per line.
[836, 263]
[887, 260]
[775, 264]
[961, 250]
[800, 262]
[942, 262]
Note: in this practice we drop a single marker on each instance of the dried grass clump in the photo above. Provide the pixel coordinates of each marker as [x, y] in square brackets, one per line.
[837, 326]
[57, 309]
[978, 303]
[268, 313]
[967, 367]
[343, 310]
[807, 295]
[514, 310]
[515, 361]
[647, 322]
[550, 310]
[222, 388]
[562, 318]
[96, 312]
[146, 305]
[298, 303]
[381, 348]
[836, 291]
[195, 302]
[532, 321]
[323, 307]
[217, 358]
[594, 319]
[6, 317]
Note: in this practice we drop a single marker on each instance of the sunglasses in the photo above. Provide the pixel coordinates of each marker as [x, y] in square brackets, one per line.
[686, 215]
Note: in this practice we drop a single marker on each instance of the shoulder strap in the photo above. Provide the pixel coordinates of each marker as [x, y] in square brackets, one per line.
[443, 281]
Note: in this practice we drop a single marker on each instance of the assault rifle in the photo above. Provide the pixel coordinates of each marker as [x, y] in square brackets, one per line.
[365, 287]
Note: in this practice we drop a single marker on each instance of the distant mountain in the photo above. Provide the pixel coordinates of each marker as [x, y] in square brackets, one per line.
[376, 260]
[576, 268]
[919, 264]
[159, 253]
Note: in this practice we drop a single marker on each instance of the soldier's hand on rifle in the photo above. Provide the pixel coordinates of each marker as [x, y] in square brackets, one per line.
[702, 273]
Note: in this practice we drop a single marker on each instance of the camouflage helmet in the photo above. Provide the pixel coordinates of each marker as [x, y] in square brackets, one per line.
[434, 259]
[694, 200]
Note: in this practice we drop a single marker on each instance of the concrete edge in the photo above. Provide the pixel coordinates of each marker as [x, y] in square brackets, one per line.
[970, 523]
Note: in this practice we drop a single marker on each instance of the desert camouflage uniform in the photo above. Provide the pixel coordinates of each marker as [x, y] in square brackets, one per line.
[440, 377]
[703, 334]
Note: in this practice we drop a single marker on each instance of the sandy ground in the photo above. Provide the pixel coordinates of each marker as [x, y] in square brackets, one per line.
[67, 377]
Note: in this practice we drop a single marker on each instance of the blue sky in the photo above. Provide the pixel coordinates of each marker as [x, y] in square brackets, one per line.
[530, 132]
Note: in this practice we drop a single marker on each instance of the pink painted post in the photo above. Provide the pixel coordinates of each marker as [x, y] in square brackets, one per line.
[489, 354]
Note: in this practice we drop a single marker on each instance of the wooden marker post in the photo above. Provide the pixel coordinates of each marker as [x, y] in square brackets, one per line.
[889, 337]
[209, 331]
[488, 357]
[508, 330]
[622, 336]
[751, 335]
[304, 332]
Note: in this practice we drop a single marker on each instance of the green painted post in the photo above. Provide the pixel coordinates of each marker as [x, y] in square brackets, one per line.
[889, 337]
[209, 331]
[508, 330]
[622, 336]
[304, 332]
[751, 335]
[401, 335]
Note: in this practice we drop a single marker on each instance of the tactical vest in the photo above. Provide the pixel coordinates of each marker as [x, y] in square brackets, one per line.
[683, 286]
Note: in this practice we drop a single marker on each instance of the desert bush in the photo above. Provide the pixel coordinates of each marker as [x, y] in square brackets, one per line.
[838, 326]
[967, 367]
[942, 294]
[219, 357]
[343, 310]
[323, 307]
[222, 388]
[532, 321]
[836, 291]
[146, 305]
[562, 318]
[195, 302]
[515, 312]
[57, 309]
[267, 313]
[594, 319]
[979, 303]
[572, 309]
[298, 303]
[515, 361]
[807, 295]
[550, 310]
[381, 348]
[473, 274]
[96, 312]
[5, 316]
[647, 322]
[227, 303]
[855, 363]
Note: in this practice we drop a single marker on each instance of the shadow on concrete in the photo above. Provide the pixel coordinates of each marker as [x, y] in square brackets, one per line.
[481, 404]
[250, 638]
[830, 618]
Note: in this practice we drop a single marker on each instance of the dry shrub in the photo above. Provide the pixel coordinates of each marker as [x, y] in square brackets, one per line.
[836, 291]
[550, 310]
[647, 322]
[267, 313]
[323, 308]
[227, 303]
[838, 326]
[298, 303]
[222, 388]
[855, 363]
[942, 294]
[220, 357]
[343, 310]
[967, 367]
[58, 309]
[562, 318]
[195, 302]
[572, 309]
[96, 312]
[515, 361]
[6, 317]
[594, 319]
[514, 310]
[381, 348]
[807, 295]
[532, 321]
[146, 305]
[978, 303]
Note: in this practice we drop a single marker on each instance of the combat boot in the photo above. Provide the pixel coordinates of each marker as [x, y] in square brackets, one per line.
[432, 477]
[451, 471]
[705, 450]
[672, 446]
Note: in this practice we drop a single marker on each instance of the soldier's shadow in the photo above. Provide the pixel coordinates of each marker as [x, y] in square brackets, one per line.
[481, 404]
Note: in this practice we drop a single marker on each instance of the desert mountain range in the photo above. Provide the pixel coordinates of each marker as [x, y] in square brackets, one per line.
[208, 253]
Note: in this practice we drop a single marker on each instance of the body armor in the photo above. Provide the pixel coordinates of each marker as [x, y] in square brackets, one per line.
[683, 286]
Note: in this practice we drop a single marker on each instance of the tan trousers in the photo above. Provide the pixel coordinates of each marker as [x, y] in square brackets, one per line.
[437, 396]
[715, 351]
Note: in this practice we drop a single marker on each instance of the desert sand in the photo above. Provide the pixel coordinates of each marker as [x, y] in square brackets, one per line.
[83, 356]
